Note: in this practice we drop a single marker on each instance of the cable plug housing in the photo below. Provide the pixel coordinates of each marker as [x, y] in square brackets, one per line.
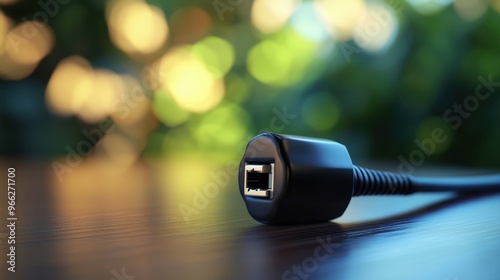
[286, 179]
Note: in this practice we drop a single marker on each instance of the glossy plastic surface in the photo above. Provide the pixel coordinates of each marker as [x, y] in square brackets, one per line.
[313, 179]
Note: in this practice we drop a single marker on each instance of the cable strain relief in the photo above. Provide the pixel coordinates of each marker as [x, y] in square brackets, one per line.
[373, 182]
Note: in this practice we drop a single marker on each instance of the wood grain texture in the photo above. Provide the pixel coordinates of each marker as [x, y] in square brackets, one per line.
[130, 224]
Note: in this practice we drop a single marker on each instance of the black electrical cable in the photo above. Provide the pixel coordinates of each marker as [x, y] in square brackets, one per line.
[374, 182]
[469, 184]
[287, 179]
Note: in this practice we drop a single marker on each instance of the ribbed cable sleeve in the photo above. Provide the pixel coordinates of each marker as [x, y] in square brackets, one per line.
[373, 182]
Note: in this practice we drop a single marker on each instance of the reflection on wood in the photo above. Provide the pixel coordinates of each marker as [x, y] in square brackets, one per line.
[98, 228]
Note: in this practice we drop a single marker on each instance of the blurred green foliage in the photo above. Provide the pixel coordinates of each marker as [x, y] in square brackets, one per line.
[375, 102]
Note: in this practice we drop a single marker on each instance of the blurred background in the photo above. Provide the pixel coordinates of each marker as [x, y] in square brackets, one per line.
[126, 119]
[190, 82]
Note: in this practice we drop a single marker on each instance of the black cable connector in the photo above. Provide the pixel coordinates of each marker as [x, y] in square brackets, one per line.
[287, 179]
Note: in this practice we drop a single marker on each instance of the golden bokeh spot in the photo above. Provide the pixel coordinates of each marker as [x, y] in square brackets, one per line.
[11, 70]
[22, 47]
[188, 80]
[376, 27]
[137, 28]
[75, 88]
[99, 92]
[270, 16]
[61, 95]
[29, 42]
[132, 105]
[340, 16]
[5, 26]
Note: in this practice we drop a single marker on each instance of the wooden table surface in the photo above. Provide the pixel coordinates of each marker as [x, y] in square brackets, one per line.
[136, 223]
